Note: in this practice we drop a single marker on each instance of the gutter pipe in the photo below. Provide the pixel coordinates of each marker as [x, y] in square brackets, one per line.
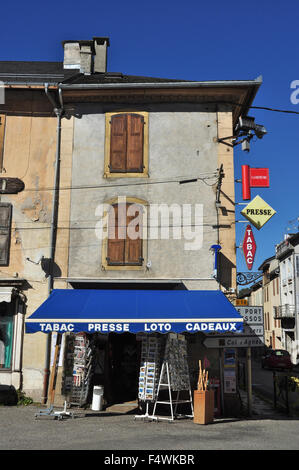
[215, 83]
[59, 112]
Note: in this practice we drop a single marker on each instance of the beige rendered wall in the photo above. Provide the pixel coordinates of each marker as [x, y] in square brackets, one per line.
[226, 211]
[29, 154]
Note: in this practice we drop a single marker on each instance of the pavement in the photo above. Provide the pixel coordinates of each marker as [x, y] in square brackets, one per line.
[266, 429]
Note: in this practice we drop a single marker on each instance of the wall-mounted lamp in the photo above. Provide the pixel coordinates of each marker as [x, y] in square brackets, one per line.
[215, 249]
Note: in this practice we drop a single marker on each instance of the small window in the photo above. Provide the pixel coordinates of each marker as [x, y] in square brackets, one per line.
[126, 149]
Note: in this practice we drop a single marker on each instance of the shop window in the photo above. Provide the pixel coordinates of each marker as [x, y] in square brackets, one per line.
[126, 146]
[6, 335]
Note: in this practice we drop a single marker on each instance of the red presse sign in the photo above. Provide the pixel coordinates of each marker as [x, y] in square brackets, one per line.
[249, 246]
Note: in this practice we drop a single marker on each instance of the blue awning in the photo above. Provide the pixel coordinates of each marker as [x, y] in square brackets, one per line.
[134, 311]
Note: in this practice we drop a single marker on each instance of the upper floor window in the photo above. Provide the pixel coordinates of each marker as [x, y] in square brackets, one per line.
[124, 246]
[126, 147]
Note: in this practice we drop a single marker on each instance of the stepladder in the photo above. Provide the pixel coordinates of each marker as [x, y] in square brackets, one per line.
[173, 400]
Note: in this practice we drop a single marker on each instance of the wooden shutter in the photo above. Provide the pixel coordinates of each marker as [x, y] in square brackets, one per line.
[135, 126]
[5, 227]
[133, 249]
[118, 143]
[116, 235]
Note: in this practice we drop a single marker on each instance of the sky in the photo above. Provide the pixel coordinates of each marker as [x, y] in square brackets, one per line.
[191, 40]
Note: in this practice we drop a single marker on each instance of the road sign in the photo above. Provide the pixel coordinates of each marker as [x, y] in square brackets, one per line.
[240, 302]
[258, 212]
[237, 341]
[252, 315]
[252, 336]
[253, 330]
[249, 246]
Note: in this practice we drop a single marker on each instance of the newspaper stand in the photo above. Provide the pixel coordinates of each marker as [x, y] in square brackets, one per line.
[149, 371]
[82, 371]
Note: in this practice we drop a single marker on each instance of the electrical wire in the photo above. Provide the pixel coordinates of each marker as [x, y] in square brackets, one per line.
[119, 226]
[177, 179]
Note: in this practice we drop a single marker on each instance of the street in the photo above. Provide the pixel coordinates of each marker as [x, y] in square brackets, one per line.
[103, 431]
[262, 384]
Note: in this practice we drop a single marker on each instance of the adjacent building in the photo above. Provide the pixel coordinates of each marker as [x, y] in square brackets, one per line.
[271, 301]
[277, 292]
[28, 148]
[287, 255]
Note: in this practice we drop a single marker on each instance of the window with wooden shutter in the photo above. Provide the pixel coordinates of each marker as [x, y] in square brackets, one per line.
[116, 235]
[133, 248]
[5, 228]
[134, 161]
[126, 152]
[118, 143]
[124, 245]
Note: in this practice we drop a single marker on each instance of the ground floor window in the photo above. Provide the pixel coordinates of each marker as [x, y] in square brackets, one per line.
[6, 335]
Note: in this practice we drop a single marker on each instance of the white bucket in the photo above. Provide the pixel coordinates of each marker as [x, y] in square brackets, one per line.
[97, 398]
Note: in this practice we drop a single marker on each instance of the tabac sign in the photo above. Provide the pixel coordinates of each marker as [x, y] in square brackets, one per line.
[258, 212]
[249, 246]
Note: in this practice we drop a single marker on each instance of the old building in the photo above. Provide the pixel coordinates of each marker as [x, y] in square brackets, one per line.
[287, 255]
[148, 154]
[271, 302]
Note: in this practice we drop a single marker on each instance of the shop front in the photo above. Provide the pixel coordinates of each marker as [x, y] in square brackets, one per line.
[11, 336]
[120, 339]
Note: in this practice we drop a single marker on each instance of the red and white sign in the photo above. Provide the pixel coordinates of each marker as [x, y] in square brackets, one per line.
[254, 178]
[249, 246]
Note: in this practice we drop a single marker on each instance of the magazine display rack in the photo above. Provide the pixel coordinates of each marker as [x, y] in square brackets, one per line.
[79, 360]
[149, 371]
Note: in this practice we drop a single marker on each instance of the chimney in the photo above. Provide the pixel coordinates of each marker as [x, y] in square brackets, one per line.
[78, 55]
[100, 58]
[86, 56]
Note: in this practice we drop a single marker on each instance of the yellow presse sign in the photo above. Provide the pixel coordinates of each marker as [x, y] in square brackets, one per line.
[258, 212]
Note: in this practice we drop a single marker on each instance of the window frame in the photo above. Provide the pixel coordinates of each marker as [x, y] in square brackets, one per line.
[7, 229]
[8, 319]
[125, 267]
[107, 172]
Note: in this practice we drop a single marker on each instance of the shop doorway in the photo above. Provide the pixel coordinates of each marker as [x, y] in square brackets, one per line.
[124, 352]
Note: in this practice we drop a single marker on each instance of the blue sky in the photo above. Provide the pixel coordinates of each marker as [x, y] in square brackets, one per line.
[192, 40]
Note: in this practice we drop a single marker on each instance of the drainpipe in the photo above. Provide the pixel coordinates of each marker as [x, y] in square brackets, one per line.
[59, 112]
